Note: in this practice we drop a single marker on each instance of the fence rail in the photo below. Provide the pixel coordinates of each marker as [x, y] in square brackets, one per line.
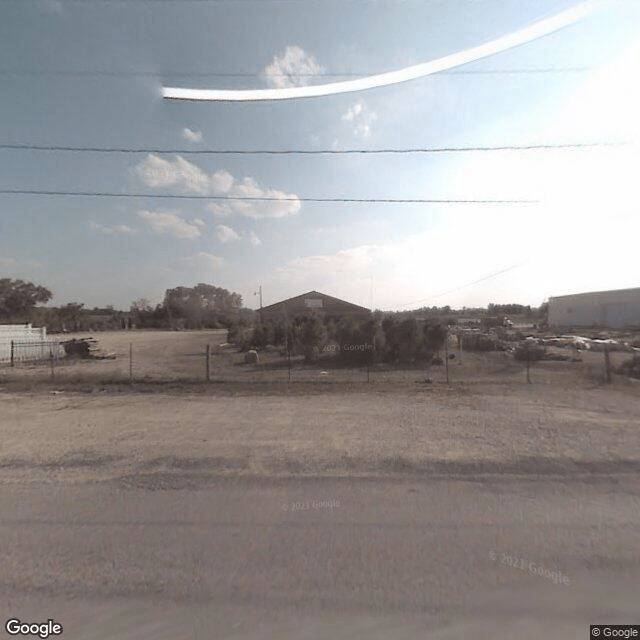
[30, 350]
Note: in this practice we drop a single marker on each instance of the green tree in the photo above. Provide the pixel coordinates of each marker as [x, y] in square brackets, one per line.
[359, 341]
[71, 316]
[434, 335]
[18, 298]
[311, 334]
[142, 313]
[202, 306]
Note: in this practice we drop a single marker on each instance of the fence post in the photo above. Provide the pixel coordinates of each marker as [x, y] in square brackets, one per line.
[607, 365]
[289, 365]
[130, 362]
[12, 353]
[446, 354]
[208, 363]
[52, 365]
[528, 364]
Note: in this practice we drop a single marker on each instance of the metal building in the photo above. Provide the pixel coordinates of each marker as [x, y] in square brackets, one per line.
[610, 309]
[313, 302]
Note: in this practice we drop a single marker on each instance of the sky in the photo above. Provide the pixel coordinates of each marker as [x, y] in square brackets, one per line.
[89, 75]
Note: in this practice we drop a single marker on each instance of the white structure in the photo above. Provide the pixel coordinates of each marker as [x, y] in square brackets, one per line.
[30, 343]
[611, 309]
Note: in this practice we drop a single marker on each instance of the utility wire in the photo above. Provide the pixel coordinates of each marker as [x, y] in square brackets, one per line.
[96, 194]
[464, 286]
[219, 74]
[530, 147]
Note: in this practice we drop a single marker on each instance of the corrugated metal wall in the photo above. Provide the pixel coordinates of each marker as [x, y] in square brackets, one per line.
[612, 309]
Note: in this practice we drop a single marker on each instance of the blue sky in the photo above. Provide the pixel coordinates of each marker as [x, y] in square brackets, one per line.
[89, 74]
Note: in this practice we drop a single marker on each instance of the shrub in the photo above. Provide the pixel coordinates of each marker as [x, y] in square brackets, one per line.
[358, 341]
[481, 342]
[529, 351]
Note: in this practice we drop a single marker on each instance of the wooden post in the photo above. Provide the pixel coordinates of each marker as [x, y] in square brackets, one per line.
[130, 362]
[459, 348]
[446, 354]
[528, 364]
[52, 365]
[368, 379]
[12, 354]
[607, 365]
[289, 365]
[208, 363]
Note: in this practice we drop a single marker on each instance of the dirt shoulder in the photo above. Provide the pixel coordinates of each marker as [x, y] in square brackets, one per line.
[158, 437]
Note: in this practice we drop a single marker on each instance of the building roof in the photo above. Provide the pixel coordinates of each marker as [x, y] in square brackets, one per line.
[634, 291]
[314, 301]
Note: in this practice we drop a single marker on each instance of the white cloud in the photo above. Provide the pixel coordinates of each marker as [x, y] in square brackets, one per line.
[192, 136]
[226, 234]
[254, 240]
[155, 171]
[353, 111]
[277, 204]
[412, 269]
[172, 224]
[204, 260]
[291, 68]
[115, 230]
[474, 258]
[221, 181]
[12, 263]
[361, 117]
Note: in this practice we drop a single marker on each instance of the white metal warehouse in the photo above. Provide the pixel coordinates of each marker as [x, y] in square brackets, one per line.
[611, 309]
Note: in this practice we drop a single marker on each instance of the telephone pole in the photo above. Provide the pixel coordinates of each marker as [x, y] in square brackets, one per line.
[259, 293]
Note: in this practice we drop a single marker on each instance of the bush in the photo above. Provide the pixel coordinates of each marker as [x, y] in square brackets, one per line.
[433, 339]
[481, 342]
[358, 342]
[262, 336]
[529, 351]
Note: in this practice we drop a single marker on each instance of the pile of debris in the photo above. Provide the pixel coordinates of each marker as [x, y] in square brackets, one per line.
[582, 343]
[85, 348]
[473, 340]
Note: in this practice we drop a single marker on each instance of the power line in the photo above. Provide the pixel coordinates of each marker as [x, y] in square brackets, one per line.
[530, 147]
[219, 74]
[202, 1]
[97, 194]
[464, 286]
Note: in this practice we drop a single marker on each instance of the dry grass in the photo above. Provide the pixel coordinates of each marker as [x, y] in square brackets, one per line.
[173, 431]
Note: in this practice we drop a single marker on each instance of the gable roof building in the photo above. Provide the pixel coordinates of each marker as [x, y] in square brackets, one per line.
[313, 302]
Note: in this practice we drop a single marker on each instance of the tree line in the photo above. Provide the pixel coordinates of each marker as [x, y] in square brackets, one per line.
[204, 306]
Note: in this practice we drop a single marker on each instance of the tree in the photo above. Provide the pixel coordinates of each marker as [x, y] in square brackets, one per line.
[71, 316]
[262, 335]
[359, 341]
[142, 313]
[402, 339]
[202, 306]
[306, 334]
[433, 338]
[19, 298]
